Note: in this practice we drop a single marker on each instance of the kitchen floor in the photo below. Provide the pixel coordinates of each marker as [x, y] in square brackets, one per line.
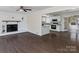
[54, 42]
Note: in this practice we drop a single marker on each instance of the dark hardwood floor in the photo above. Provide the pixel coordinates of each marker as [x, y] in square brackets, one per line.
[54, 42]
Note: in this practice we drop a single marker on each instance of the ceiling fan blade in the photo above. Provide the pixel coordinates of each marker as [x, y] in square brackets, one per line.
[25, 10]
[28, 9]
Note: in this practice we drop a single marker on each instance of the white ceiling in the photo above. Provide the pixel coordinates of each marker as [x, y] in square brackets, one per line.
[14, 8]
[65, 11]
[36, 8]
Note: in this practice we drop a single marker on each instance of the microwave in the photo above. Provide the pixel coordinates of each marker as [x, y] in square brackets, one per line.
[54, 19]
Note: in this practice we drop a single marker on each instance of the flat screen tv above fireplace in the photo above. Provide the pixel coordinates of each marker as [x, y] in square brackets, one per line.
[12, 27]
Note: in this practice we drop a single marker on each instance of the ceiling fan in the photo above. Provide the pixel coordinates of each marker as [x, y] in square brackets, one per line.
[23, 9]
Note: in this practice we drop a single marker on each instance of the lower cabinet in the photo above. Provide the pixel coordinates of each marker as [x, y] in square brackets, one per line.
[45, 30]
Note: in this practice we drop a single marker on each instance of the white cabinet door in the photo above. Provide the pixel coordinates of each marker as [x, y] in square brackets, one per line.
[45, 30]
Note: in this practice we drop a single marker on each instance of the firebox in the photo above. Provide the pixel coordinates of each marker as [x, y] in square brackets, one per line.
[12, 27]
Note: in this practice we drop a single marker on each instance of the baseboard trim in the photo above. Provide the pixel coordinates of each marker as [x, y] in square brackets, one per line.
[11, 33]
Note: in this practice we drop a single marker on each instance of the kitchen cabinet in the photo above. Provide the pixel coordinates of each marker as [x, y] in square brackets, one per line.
[45, 26]
[46, 19]
[45, 29]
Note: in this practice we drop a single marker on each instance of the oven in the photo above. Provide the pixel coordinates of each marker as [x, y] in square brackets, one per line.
[53, 26]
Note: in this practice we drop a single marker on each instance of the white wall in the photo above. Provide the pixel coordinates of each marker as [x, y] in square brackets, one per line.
[34, 19]
[17, 16]
[33, 24]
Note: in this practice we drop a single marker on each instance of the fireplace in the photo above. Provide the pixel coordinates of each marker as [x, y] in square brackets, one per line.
[12, 27]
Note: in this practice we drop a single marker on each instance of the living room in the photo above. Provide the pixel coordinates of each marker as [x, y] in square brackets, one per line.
[39, 29]
[47, 28]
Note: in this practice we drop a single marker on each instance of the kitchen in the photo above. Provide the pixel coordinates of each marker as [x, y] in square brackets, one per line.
[51, 23]
[62, 21]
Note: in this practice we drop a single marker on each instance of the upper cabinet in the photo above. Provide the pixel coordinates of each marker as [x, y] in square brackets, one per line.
[46, 19]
